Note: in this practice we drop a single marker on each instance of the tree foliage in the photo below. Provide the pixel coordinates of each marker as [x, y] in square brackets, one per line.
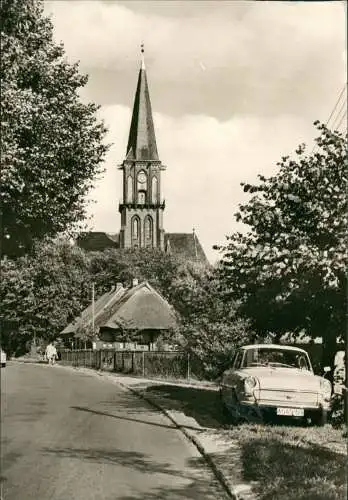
[289, 268]
[209, 326]
[41, 293]
[51, 142]
[123, 265]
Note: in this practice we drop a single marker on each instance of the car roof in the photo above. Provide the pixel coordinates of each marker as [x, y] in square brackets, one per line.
[273, 346]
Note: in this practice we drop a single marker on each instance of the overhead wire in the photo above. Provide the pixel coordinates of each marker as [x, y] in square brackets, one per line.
[339, 114]
[337, 102]
[341, 120]
[338, 117]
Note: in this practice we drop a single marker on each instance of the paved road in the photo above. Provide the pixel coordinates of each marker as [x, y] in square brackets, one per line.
[75, 436]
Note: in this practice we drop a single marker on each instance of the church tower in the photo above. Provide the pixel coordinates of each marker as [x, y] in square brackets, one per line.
[142, 208]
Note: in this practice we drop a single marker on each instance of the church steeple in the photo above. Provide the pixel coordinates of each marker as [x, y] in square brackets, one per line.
[142, 140]
[142, 206]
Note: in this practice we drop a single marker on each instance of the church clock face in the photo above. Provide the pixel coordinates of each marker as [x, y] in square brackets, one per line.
[142, 177]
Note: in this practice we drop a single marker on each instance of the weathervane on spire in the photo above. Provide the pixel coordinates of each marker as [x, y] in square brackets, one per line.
[142, 50]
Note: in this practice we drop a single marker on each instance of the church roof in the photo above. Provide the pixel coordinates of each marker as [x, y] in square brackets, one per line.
[97, 241]
[142, 141]
[187, 245]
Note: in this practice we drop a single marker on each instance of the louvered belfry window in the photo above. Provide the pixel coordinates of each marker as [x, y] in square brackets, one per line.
[148, 231]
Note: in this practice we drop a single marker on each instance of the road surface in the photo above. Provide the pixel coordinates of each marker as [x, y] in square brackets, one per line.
[69, 435]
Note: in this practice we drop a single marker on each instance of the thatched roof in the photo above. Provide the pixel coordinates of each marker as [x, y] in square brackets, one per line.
[138, 308]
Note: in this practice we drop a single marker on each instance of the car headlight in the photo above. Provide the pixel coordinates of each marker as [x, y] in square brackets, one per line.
[326, 388]
[249, 385]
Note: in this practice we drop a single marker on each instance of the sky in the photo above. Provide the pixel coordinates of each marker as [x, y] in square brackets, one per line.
[234, 87]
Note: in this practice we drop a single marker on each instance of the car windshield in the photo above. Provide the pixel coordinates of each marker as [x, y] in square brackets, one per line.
[276, 357]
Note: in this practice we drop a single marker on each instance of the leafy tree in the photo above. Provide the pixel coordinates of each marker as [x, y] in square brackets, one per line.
[209, 326]
[51, 143]
[124, 265]
[41, 293]
[289, 268]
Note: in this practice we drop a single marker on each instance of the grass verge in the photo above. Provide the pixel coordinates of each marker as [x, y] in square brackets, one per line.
[290, 462]
[285, 462]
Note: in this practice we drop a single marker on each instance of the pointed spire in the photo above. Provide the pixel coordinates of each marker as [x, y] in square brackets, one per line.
[142, 140]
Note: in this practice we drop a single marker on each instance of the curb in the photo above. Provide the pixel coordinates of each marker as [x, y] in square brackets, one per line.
[217, 472]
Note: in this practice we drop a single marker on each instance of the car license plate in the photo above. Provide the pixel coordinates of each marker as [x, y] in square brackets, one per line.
[290, 412]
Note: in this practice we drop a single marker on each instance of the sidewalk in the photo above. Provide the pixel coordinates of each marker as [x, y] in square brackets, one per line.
[195, 409]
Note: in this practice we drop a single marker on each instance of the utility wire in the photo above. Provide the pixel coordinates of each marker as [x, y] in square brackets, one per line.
[339, 114]
[343, 117]
[343, 105]
[337, 102]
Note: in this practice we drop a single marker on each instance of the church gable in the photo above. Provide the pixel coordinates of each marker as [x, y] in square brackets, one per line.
[185, 245]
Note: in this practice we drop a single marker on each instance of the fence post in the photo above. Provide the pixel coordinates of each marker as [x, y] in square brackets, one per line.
[143, 362]
[188, 366]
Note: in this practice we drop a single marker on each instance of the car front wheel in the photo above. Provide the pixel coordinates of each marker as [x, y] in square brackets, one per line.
[320, 418]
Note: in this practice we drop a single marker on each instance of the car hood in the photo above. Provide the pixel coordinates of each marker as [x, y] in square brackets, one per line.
[284, 378]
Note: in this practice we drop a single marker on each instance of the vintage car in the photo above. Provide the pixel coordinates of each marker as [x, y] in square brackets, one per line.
[3, 358]
[269, 381]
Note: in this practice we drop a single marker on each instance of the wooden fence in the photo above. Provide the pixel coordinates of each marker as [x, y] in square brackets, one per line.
[166, 364]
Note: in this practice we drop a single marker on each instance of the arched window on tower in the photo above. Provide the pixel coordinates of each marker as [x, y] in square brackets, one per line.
[148, 231]
[141, 197]
[135, 231]
[129, 189]
[154, 190]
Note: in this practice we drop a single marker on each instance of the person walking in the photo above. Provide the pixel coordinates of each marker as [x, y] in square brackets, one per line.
[51, 353]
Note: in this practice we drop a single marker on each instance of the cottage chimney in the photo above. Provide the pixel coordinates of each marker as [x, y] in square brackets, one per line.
[135, 282]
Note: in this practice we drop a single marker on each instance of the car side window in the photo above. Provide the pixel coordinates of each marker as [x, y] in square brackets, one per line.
[237, 360]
